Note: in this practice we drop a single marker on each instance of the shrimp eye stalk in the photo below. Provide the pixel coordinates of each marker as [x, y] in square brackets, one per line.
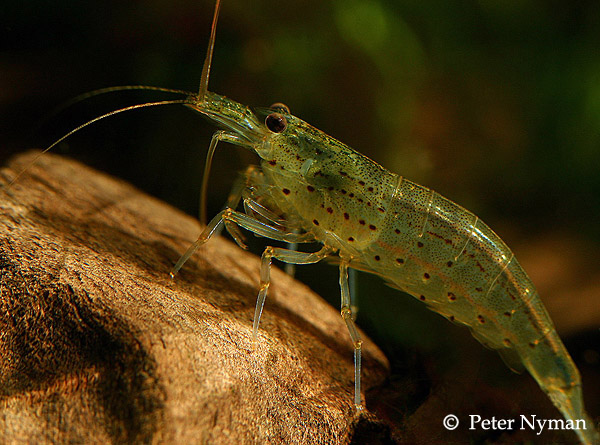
[276, 122]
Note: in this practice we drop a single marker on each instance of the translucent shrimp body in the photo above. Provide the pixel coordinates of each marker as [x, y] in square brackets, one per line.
[312, 188]
[415, 239]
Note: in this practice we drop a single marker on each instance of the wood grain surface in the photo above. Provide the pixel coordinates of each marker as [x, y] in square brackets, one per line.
[98, 344]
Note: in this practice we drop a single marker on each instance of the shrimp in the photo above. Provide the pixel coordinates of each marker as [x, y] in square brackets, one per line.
[310, 188]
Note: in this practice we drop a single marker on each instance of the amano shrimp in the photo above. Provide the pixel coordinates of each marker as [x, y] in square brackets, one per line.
[310, 188]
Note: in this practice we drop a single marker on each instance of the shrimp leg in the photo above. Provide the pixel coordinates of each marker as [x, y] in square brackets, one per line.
[353, 291]
[346, 312]
[216, 138]
[252, 206]
[216, 224]
[232, 219]
[229, 216]
[287, 256]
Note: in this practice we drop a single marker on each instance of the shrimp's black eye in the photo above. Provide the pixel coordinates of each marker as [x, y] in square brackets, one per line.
[276, 122]
[281, 107]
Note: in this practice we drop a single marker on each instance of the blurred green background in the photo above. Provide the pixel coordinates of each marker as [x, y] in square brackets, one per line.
[496, 105]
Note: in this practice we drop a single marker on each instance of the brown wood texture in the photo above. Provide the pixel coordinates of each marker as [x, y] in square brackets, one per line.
[99, 345]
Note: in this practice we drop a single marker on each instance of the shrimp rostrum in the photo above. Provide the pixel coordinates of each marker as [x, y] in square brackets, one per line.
[310, 187]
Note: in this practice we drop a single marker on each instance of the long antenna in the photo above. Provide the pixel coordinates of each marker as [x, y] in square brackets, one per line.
[211, 44]
[96, 119]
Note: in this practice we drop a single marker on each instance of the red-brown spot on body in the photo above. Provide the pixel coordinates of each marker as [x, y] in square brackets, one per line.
[372, 227]
[343, 173]
[449, 264]
[397, 231]
[343, 191]
[315, 222]
[451, 318]
[369, 204]
[350, 238]
[360, 200]
[426, 276]
[399, 261]
[370, 189]
[451, 296]
[377, 257]
[481, 319]
[361, 182]
[437, 235]
[419, 244]
[351, 195]
[272, 162]
[285, 191]
[508, 314]
[478, 289]
[329, 210]
[422, 298]
[346, 216]
[310, 188]
[381, 209]
[361, 222]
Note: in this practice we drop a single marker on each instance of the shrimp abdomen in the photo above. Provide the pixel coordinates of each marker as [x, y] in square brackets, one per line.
[448, 258]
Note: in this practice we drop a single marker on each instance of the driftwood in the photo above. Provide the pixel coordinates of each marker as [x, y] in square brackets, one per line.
[99, 345]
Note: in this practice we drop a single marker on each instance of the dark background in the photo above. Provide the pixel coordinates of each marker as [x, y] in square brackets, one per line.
[496, 105]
